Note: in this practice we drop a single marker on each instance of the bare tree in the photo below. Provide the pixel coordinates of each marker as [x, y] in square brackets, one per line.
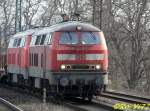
[126, 37]
[7, 18]
[49, 10]
[30, 10]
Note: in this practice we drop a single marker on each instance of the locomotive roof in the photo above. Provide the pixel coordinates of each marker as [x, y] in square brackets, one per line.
[24, 33]
[64, 26]
[67, 26]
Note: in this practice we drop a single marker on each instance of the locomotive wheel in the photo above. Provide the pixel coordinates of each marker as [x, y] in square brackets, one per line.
[20, 81]
[83, 97]
[10, 79]
[90, 97]
[105, 88]
[4, 79]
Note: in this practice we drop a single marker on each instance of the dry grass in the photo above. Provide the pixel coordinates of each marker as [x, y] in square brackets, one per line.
[29, 103]
[44, 107]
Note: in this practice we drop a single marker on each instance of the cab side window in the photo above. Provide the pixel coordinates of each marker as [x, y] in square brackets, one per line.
[22, 44]
[16, 42]
[38, 40]
[48, 39]
[33, 40]
[19, 41]
[43, 39]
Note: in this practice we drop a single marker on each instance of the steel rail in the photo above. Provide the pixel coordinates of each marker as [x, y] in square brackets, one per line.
[49, 99]
[125, 98]
[10, 105]
[75, 107]
[107, 106]
[90, 106]
[127, 95]
[72, 105]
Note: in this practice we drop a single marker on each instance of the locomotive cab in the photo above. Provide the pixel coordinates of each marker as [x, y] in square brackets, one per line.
[85, 51]
[80, 60]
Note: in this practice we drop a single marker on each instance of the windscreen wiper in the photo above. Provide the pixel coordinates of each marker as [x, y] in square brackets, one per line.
[70, 37]
[93, 35]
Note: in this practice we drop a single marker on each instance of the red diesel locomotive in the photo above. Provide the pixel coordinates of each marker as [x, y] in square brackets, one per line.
[70, 58]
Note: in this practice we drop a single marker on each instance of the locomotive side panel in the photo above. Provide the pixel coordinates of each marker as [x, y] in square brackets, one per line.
[17, 55]
[24, 56]
[35, 69]
[13, 60]
[40, 55]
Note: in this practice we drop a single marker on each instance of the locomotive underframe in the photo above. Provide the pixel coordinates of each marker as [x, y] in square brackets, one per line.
[80, 84]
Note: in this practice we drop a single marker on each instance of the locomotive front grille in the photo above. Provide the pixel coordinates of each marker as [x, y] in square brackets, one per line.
[80, 67]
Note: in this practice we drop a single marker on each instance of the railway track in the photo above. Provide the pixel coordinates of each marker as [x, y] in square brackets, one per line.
[27, 104]
[80, 105]
[124, 102]
[126, 98]
[9, 106]
[84, 105]
[75, 104]
[131, 96]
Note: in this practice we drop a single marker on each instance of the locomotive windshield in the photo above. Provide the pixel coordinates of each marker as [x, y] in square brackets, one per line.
[85, 38]
[68, 38]
[89, 38]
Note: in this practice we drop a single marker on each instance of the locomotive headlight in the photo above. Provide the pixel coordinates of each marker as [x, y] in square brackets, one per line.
[64, 81]
[79, 28]
[62, 67]
[98, 67]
